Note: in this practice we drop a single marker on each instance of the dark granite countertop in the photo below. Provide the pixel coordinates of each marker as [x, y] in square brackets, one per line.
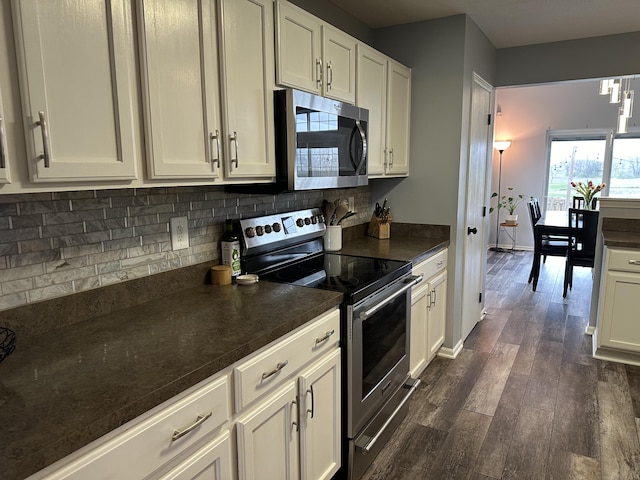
[618, 239]
[66, 388]
[621, 232]
[63, 388]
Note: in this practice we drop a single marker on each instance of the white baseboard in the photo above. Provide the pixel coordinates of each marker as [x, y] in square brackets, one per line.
[450, 353]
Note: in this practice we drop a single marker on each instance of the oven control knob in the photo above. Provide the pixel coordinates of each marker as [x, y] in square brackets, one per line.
[276, 227]
[250, 232]
[300, 222]
[267, 229]
[307, 221]
[320, 218]
[260, 230]
[314, 219]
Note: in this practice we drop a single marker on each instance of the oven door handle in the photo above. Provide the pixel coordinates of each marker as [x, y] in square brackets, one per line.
[411, 281]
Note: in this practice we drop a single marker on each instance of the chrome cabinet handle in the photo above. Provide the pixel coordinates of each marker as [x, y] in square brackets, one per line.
[42, 123]
[634, 262]
[391, 158]
[384, 161]
[318, 73]
[279, 367]
[313, 401]
[326, 336]
[199, 421]
[215, 136]
[3, 145]
[234, 139]
[329, 76]
[432, 298]
[295, 423]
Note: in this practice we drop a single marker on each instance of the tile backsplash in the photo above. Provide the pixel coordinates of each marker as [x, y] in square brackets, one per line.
[60, 243]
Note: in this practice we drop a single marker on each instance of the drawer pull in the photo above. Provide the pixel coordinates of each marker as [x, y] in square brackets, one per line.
[199, 421]
[279, 367]
[634, 262]
[326, 336]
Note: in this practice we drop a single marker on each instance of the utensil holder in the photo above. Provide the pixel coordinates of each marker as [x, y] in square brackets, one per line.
[333, 238]
[377, 229]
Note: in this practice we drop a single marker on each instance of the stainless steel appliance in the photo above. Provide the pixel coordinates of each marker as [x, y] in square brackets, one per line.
[375, 318]
[320, 143]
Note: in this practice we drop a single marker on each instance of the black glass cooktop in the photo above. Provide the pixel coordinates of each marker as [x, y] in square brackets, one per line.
[352, 275]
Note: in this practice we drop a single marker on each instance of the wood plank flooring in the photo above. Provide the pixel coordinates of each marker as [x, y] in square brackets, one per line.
[524, 399]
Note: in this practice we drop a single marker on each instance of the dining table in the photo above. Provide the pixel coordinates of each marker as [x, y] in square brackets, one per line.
[555, 223]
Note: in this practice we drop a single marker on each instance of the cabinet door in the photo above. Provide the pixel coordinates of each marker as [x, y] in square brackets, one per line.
[398, 119]
[437, 313]
[621, 303]
[213, 462]
[339, 55]
[320, 418]
[268, 438]
[371, 93]
[77, 82]
[418, 329]
[299, 49]
[4, 148]
[181, 90]
[248, 64]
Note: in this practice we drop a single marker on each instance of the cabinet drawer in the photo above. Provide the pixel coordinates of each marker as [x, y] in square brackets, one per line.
[431, 266]
[147, 446]
[624, 260]
[266, 370]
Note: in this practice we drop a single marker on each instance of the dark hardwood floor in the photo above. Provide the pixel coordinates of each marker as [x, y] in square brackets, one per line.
[524, 399]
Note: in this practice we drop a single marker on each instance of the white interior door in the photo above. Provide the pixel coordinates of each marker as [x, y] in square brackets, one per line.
[474, 245]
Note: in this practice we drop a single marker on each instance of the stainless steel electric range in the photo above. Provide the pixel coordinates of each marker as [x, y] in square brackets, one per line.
[375, 314]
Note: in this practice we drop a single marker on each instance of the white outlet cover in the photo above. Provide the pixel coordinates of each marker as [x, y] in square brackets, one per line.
[179, 233]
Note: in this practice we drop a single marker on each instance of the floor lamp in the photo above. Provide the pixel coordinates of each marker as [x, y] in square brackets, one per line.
[501, 146]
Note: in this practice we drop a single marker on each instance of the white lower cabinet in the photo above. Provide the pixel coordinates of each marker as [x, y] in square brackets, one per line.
[294, 431]
[619, 304]
[268, 437]
[320, 418]
[213, 462]
[428, 312]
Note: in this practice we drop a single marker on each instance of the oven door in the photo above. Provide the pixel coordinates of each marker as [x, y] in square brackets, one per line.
[377, 351]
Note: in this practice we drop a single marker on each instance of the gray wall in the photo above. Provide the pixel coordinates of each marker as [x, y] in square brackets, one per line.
[442, 54]
[595, 57]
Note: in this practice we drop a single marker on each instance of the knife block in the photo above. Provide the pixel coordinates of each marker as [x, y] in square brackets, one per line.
[380, 230]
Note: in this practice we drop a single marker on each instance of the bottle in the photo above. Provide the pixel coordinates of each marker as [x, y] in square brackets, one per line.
[230, 245]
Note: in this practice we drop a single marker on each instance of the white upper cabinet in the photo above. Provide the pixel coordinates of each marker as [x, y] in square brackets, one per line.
[180, 78]
[384, 88]
[398, 119]
[4, 149]
[372, 95]
[339, 53]
[314, 56]
[248, 76]
[77, 81]
[299, 42]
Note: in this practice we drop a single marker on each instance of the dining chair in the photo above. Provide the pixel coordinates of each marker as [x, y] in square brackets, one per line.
[583, 229]
[578, 202]
[553, 245]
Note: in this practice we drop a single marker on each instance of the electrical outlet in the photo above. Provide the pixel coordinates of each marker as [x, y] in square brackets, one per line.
[352, 204]
[179, 233]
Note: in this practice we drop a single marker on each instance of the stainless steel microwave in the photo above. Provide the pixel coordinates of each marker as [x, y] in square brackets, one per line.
[320, 143]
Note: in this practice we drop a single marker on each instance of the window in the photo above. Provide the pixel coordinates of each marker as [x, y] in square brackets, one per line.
[625, 167]
[581, 156]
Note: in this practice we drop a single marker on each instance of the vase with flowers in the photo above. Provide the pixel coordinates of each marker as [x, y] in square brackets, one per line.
[588, 191]
[509, 202]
